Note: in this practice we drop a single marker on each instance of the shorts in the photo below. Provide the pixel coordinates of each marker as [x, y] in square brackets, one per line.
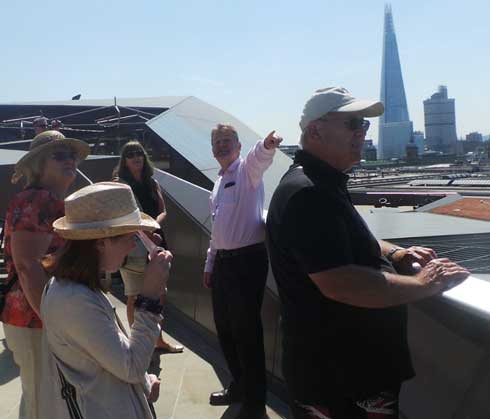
[132, 274]
[381, 406]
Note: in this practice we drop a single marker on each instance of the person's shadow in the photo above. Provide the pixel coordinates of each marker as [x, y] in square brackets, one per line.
[232, 412]
[8, 368]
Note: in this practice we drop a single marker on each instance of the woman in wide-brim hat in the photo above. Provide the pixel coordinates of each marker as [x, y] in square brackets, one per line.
[48, 168]
[100, 369]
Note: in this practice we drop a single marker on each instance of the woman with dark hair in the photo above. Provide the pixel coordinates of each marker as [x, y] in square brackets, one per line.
[136, 170]
[49, 168]
[94, 368]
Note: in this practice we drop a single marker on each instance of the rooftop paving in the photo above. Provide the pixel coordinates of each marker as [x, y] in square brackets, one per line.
[475, 208]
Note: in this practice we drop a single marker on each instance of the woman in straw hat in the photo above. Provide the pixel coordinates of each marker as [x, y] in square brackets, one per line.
[100, 369]
[136, 170]
[48, 168]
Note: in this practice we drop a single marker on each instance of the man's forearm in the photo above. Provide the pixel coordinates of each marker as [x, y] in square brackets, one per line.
[211, 255]
[257, 161]
[365, 287]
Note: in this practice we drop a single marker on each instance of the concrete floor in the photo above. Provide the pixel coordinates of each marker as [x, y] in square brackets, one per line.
[187, 378]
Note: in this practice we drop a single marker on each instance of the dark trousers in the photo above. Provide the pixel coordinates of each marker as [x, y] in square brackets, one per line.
[238, 284]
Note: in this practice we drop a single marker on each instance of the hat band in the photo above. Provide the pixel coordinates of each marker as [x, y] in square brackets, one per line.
[129, 219]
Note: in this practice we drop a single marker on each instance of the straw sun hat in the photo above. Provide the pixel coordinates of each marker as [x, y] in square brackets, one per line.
[104, 209]
[45, 143]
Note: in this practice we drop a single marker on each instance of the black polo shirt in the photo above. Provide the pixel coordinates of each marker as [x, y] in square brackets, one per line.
[330, 349]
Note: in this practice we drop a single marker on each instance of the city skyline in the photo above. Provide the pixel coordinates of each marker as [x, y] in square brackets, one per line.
[256, 61]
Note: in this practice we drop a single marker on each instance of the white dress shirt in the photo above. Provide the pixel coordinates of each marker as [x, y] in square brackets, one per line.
[237, 203]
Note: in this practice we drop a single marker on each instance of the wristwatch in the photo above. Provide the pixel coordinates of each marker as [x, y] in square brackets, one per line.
[392, 251]
[149, 304]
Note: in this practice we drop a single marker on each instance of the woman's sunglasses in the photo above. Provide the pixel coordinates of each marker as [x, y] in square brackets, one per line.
[64, 155]
[136, 153]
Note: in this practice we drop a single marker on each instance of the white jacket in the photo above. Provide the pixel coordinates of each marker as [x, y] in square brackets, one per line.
[83, 338]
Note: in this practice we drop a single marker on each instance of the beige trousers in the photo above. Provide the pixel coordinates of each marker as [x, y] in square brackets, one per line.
[25, 344]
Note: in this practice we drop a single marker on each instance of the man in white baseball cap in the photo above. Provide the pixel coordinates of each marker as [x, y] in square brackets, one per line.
[342, 291]
[335, 110]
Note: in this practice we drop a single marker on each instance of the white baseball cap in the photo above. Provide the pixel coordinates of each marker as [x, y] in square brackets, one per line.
[337, 99]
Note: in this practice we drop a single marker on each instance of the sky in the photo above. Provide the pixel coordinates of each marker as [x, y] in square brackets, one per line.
[259, 61]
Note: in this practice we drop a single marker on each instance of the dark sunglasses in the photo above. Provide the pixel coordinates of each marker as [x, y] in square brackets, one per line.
[64, 155]
[353, 124]
[357, 123]
[135, 153]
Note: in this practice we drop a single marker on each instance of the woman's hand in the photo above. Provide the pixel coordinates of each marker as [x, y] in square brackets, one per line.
[154, 388]
[156, 238]
[156, 274]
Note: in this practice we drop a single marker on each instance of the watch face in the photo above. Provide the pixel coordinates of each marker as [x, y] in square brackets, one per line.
[394, 250]
[149, 304]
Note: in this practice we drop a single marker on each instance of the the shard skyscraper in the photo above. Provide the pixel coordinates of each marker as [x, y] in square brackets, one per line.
[395, 128]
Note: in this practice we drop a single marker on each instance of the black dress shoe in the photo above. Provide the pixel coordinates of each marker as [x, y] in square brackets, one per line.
[225, 397]
[248, 411]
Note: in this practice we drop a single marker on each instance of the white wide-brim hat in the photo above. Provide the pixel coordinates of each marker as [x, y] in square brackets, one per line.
[45, 143]
[104, 209]
[337, 99]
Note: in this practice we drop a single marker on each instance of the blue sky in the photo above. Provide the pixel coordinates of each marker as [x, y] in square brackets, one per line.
[257, 60]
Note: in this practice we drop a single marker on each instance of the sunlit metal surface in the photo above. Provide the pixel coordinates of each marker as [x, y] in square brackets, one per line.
[473, 294]
[193, 199]
[391, 223]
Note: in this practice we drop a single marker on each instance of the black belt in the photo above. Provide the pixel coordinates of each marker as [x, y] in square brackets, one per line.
[224, 253]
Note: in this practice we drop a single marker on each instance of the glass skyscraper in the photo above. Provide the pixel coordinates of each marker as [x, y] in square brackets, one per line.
[395, 127]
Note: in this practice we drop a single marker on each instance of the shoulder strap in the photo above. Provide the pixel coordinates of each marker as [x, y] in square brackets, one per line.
[68, 391]
[2, 233]
[69, 395]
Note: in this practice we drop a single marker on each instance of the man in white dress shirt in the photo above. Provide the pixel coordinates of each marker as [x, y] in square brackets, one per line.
[237, 264]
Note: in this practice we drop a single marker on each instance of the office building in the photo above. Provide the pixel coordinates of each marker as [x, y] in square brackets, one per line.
[440, 122]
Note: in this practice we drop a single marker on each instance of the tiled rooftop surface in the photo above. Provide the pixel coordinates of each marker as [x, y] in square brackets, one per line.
[476, 208]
